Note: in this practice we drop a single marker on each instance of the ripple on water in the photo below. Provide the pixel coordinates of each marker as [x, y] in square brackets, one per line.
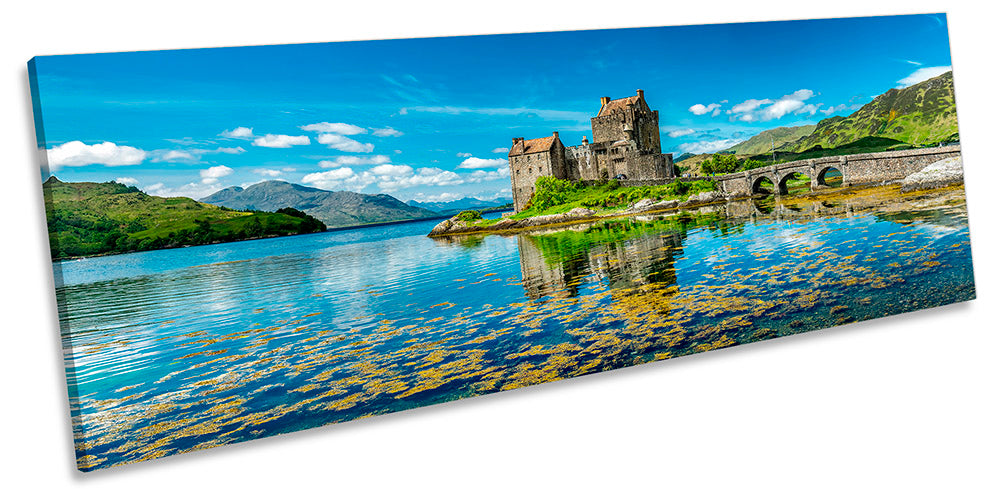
[292, 336]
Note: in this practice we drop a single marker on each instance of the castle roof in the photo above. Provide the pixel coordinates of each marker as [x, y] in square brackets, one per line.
[618, 105]
[538, 145]
[609, 107]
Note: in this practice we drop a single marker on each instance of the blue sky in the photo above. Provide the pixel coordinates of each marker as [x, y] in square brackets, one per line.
[432, 119]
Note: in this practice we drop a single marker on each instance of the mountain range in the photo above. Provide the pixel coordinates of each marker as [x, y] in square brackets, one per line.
[466, 203]
[333, 208]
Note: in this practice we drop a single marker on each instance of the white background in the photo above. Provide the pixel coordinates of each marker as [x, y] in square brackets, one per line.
[901, 405]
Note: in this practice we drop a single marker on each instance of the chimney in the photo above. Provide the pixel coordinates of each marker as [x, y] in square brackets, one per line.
[639, 92]
[556, 134]
[583, 140]
[605, 100]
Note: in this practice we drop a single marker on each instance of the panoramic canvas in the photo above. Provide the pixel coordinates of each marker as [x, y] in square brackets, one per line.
[258, 240]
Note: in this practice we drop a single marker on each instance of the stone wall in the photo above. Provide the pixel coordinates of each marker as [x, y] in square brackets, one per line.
[860, 169]
[581, 163]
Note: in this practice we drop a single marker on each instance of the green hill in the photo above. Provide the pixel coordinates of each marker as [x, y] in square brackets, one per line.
[334, 208]
[922, 114]
[762, 143]
[88, 218]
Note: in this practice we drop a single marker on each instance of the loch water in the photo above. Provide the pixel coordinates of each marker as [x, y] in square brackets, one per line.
[178, 350]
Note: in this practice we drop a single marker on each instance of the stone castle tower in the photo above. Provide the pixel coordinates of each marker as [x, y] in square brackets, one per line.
[626, 144]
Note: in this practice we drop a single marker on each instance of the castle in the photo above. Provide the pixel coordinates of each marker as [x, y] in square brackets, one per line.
[626, 145]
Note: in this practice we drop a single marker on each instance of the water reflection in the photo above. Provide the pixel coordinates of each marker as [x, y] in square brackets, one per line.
[186, 357]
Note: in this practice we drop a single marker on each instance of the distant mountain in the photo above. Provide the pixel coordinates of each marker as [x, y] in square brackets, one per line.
[762, 142]
[334, 208]
[89, 218]
[460, 204]
[922, 114]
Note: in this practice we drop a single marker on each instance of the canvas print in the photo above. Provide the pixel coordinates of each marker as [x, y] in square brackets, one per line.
[252, 241]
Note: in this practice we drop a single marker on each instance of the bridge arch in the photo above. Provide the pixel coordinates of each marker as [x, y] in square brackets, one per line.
[830, 176]
[763, 184]
[783, 188]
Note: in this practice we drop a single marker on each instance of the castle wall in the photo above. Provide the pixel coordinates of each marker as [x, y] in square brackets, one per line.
[581, 163]
[647, 166]
[608, 128]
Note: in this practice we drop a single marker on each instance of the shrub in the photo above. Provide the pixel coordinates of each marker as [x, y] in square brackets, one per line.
[469, 216]
[550, 191]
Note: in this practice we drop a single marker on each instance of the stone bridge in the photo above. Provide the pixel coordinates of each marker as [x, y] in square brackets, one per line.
[865, 168]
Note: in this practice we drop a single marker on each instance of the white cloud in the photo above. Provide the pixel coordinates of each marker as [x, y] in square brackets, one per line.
[501, 150]
[335, 127]
[680, 132]
[230, 151]
[437, 198]
[128, 181]
[483, 175]
[485, 196]
[754, 110]
[338, 142]
[463, 155]
[238, 133]
[387, 177]
[267, 172]
[190, 155]
[354, 160]
[280, 141]
[175, 156]
[710, 146]
[748, 106]
[211, 175]
[923, 74]
[75, 154]
[473, 162]
[386, 132]
[809, 109]
[189, 190]
[428, 176]
[392, 170]
[330, 175]
[700, 109]
[339, 179]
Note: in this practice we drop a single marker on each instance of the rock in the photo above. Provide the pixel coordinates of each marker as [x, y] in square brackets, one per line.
[641, 205]
[703, 197]
[943, 173]
[579, 212]
[442, 227]
[663, 205]
[506, 223]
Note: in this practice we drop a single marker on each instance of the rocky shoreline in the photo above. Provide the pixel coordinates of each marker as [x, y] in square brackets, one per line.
[454, 226]
[943, 173]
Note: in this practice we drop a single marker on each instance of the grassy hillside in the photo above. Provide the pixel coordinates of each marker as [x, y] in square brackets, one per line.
[762, 143]
[922, 114]
[88, 218]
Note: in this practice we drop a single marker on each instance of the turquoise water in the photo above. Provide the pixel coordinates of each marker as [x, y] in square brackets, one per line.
[177, 350]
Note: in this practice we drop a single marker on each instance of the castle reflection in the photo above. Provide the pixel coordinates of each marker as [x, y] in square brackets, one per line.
[618, 255]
